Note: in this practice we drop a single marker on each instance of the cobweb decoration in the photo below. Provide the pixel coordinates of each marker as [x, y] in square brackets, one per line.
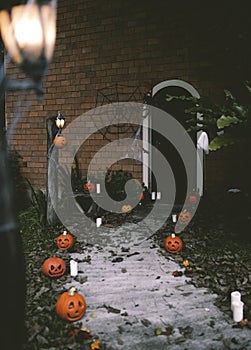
[120, 93]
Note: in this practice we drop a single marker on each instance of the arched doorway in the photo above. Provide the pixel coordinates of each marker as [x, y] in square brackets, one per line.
[176, 109]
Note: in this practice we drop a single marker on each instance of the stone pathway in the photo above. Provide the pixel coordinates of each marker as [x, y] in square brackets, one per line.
[135, 303]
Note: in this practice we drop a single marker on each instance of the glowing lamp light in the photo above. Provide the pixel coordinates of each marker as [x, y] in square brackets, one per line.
[60, 121]
[29, 33]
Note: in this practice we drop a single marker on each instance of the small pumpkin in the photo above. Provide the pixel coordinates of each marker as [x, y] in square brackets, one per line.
[71, 305]
[60, 141]
[126, 208]
[173, 243]
[141, 196]
[184, 217]
[193, 199]
[89, 187]
[65, 241]
[54, 267]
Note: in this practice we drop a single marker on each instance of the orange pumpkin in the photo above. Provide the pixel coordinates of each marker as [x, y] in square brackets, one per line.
[141, 196]
[193, 199]
[60, 141]
[89, 187]
[173, 244]
[71, 305]
[126, 208]
[54, 267]
[65, 241]
[184, 217]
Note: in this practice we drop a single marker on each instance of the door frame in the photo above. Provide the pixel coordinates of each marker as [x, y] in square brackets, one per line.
[147, 135]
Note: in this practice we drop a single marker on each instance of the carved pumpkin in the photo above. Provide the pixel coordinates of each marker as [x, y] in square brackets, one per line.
[54, 267]
[184, 217]
[60, 141]
[89, 187]
[173, 244]
[141, 196]
[71, 305]
[65, 241]
[126, 208]
[193, 199]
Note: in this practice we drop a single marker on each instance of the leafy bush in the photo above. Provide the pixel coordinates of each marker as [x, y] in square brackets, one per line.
[38, 205]
[227, 124]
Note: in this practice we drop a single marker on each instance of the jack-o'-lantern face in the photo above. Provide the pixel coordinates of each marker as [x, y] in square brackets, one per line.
[65, 241]
[184, 217]
[126, 208]
[54, 267]
[173, 244]
[60, 141]
[71, 306]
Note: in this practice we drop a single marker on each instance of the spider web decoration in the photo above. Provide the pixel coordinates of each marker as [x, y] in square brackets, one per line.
[119, 93]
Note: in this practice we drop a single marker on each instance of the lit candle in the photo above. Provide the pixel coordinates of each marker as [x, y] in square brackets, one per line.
[158, 195]
[74, 268]
[174, 217]
[235, 297]
[237, 311]
[98, 188]
[98, 222]
[153, 196]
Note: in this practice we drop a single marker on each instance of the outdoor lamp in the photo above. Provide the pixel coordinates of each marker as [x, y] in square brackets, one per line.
[60, 121]
[29, 32]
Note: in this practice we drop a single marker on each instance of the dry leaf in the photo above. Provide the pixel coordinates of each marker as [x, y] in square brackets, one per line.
[177, 273]
[95, 345]
[185, 263]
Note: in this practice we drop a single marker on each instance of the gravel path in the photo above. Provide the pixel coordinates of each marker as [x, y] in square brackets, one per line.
[135, 302]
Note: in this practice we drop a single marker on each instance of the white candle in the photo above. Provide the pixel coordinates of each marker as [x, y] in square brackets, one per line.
[237, 311]
[74, 268]
[174, 217]
[158, 195]
[235, 297]
[98, 188]
[153, 196]
[98, 222]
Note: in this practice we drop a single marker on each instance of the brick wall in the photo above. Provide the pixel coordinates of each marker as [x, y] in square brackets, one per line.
[141, 43]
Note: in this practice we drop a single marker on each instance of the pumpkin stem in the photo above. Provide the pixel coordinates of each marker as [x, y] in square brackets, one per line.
[65, 233]
[72, 291]
[173, 235]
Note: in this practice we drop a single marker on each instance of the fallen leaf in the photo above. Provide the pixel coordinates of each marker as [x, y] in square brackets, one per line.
[112, 309]
[110, 225]
[146, 322]
[177, 273]
[118, 259]
[185, 263]
[245, 280]
[95, 345]
[168, 331]
[244, 322]
[158, 331]
[81, 280]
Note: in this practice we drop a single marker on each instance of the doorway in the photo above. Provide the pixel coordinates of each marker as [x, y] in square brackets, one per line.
[175, 108]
